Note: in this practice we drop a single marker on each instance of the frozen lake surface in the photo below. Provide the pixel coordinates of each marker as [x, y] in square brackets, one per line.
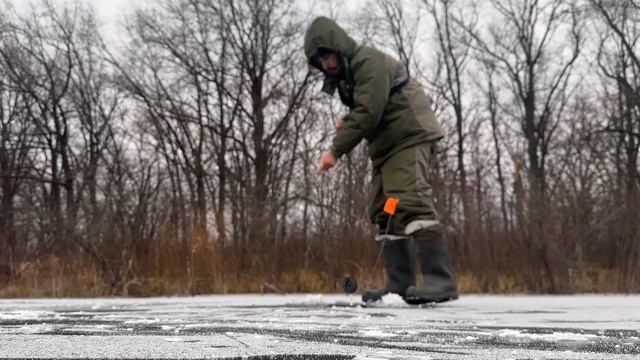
[322, 327]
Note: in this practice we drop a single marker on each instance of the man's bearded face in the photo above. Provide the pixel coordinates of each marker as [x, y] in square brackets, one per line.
[330, 63]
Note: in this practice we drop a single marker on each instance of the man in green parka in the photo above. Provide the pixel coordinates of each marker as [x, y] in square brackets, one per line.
[392, 112]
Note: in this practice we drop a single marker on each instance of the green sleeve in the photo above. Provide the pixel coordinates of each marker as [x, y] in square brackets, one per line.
[370, 96]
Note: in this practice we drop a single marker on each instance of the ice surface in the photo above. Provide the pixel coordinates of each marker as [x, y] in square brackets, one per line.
[322, 327]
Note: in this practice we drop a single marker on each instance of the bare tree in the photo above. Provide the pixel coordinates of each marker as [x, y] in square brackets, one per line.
[38, 55]
[521, 45]
[402, 29]
[494, 115]
[454, 56]
[524, 56]
[619, 64]
[261, 37]
[16, 136]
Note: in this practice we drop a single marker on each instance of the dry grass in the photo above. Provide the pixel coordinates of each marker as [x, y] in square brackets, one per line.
[52, 277]
[169, 267]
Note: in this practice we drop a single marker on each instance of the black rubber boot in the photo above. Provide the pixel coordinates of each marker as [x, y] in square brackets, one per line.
[438, 285]
[400, 267]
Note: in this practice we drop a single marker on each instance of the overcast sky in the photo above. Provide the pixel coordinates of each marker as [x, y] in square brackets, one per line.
[112, 14]
[112, 11]
[109, 10]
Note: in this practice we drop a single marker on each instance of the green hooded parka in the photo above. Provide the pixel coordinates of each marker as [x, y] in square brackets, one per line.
[388, 109]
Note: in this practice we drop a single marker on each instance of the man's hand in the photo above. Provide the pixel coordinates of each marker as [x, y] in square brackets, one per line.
[327, 161]
[340, 121]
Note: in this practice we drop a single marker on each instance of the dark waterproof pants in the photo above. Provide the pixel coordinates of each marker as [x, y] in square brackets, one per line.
[406, 176]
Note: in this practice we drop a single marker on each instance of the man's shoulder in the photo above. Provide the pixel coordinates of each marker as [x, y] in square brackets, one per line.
[368, 54]
[368, 51]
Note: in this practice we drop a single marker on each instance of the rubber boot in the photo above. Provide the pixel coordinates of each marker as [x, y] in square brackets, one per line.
[400, 267]
[438, 285]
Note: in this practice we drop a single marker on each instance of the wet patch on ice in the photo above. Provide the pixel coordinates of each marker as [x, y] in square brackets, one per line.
[295, 357]
[178, 339]
[376, 333]
[554, 336]
[525, 312]
[549, 339]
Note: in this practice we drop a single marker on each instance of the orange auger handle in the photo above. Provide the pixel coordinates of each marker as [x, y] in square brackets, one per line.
[390, 205]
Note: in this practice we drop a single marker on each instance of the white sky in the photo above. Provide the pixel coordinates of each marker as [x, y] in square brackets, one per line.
[109, 10]
[112, 12]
